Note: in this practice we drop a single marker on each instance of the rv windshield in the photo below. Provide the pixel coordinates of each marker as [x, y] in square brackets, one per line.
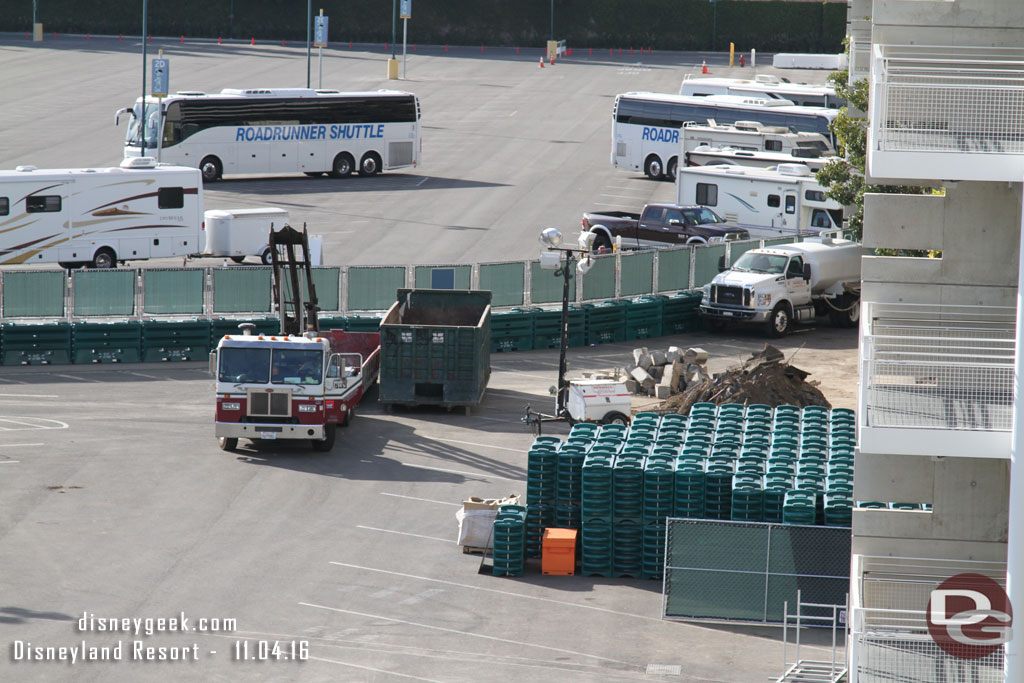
[152, 126]
[244, 365]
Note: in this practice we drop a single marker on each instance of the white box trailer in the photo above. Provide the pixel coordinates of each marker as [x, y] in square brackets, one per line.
[238, 233]
[100, 216]
[768, 202]
[754, 137]
[706, 155]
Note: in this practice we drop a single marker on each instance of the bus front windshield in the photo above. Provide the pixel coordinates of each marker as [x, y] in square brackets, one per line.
[152, 125]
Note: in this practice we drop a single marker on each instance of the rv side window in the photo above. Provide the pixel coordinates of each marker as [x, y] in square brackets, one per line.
[790, 203]
[814, 195]
[707, 194]
[42, 203]
[170, 198]
[773, 145]
[5, 206]
[774, 201]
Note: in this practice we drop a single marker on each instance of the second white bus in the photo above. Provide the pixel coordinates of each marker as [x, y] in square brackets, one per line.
[278, 130]
[646, 126]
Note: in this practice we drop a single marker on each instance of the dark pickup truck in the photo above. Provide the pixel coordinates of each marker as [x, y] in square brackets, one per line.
[660, 225]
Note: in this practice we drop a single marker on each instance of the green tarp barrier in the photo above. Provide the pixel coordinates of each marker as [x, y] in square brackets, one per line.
[545, 288]
[637, 274]
[673, 269]
[104, 292]
[36, 294]
[172, 292]
[241, 290]
[506, 281]
[443, 277]
[374, 288]
[599, 282]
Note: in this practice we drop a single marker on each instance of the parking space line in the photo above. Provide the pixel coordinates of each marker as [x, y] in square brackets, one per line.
[29, 396]
[405, 533]
[500, 592]
[481, 445]
[79, 379]
[20, 445]
[425, 500]
[370, 668]
[9, 462]
[465, 633]
[482, 475]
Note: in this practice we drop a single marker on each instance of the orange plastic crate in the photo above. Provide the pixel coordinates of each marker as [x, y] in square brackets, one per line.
[558, 552]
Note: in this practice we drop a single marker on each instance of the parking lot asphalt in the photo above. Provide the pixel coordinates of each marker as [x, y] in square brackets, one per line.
[118, 504]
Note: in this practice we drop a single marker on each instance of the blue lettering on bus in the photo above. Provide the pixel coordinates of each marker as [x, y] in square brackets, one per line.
[660, 135]
[347, 131]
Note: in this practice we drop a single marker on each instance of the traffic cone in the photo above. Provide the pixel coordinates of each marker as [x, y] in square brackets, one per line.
[283, 44]
[87, 36]
[218, 41]
[183, 38]
[743, 61]
[704, 67]
[552, 62]
[542, 62]
[253, 41]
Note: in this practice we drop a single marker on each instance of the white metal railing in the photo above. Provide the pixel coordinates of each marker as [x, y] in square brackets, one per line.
[948, 99]
[937, 366]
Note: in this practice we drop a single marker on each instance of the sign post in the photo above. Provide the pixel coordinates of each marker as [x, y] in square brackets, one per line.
[320, 40]
[405, 12]
[161, 77]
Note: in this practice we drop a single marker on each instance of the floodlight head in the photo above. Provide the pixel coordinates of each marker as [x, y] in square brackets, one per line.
[551, 237]
[585, 265]
[550, 260]
[586, 240]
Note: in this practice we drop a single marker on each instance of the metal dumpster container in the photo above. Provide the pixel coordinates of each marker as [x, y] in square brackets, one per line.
[436, 348]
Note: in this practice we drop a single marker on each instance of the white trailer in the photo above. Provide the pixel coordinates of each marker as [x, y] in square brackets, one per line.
[768, 202]
[764, 85]
[754, 137]
[238, 233]
[705, 155]
[100, 216]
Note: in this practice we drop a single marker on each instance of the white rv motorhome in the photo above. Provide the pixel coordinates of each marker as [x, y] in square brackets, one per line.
[754, 137]
[705, 155]
[100, 216]
[768, 202]
[764, 85]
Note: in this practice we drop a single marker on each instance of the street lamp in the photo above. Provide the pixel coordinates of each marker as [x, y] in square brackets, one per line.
[560, 259]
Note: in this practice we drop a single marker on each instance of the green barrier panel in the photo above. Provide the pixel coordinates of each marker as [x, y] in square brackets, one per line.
[606, 322]
[599, 282]
[673, 269]
[362, 323]
[224, 326]
[104, 292]
[36, 294]
[644, 317]
[167, 340]
[42, 344]
[374, 288]
[512, 330]
[547, 327]
[546, 288]
[114, 342]
[737, 249]
[506, 282]
[172, 292]
[780, 240]
[332, 322]
[241, 290]
[443, 277]
[705, 264]
[680, 312]
[637, 274]
[326, 282]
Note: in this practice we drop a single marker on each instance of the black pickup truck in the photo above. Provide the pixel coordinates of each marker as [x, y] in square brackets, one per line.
[660, 225]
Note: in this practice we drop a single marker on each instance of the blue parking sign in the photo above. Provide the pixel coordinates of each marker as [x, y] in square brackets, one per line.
[161, 76]
[405, 9]
[320, 31]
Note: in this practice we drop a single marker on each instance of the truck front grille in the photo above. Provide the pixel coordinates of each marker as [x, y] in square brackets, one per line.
[730, 295]
[270, 403]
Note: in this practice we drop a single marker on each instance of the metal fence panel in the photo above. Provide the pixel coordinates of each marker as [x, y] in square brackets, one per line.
[745, 571]
[506, 282]
[737, 249]
[326, 281]
[177, 291]
[443, 277]
[374, 288]
[705, 266]
[241, 290]
[545, 288]
[104, 292]
[35, 294]
[637, 275]
[599, 282]
[780, 240]
[673, 269]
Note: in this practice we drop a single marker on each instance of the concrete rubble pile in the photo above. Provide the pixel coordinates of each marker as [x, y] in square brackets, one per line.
[663, 373]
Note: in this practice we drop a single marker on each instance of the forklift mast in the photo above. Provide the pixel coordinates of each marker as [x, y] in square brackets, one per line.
[297, 314]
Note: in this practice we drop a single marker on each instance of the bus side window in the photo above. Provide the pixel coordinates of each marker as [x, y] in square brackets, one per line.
[5, 206]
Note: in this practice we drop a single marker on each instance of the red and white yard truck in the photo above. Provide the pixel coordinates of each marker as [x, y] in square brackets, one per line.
[300, 384]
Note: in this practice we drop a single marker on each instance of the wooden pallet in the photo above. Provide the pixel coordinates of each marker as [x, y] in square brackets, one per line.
[474, 550]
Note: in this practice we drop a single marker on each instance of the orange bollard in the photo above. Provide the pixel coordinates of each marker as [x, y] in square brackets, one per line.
[481, 48]
[620, 51]
[743, 61]
[609, 52]
[517, 49]
[218, 40]
[183, 39]
[120, 37]
[87, 36]
[414, 47]
[350, 44]
[283, 44]
[591, 52]
[253, 41]
[446, 47]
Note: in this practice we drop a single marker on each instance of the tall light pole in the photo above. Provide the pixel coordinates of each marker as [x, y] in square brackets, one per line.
[552, 20]
[142, 106]
[309, 23]
[394, 25]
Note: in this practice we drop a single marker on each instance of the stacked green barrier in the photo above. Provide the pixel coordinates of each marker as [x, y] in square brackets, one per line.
[681, 312]
[106, 342]
[606, 322]
[512, 330]
[510, 541]
[541, 490]
[36, 343]
[333, 322]
[362, 323]
[166, 340]
[219, 327]
[547, 327]
[644, 317]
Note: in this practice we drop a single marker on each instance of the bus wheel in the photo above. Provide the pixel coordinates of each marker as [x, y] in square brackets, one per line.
[211, 168]
[343, 165]
[370, 164]
[652, 167]
[104, 258]
[670, 174]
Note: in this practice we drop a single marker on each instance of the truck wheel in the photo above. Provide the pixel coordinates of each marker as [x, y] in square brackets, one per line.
[370, 164]
[696, 240]
[670, 173]
[653, 168]
[713, 325]
[850, 317]
[615, 418]
[602, 241]
[211, 168]
[104, 258]
[343, 165]
[227, 444]
[779, 321]
[267, 257]
[237, 259]
[327, 443]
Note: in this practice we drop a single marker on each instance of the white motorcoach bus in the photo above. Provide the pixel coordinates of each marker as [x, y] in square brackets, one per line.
[646, 126]
[764, 85]
[278, 130]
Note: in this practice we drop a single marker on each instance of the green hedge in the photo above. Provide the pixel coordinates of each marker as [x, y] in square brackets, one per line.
[772, 26]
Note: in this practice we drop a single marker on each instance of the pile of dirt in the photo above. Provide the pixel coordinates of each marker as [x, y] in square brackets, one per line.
[763, 378]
